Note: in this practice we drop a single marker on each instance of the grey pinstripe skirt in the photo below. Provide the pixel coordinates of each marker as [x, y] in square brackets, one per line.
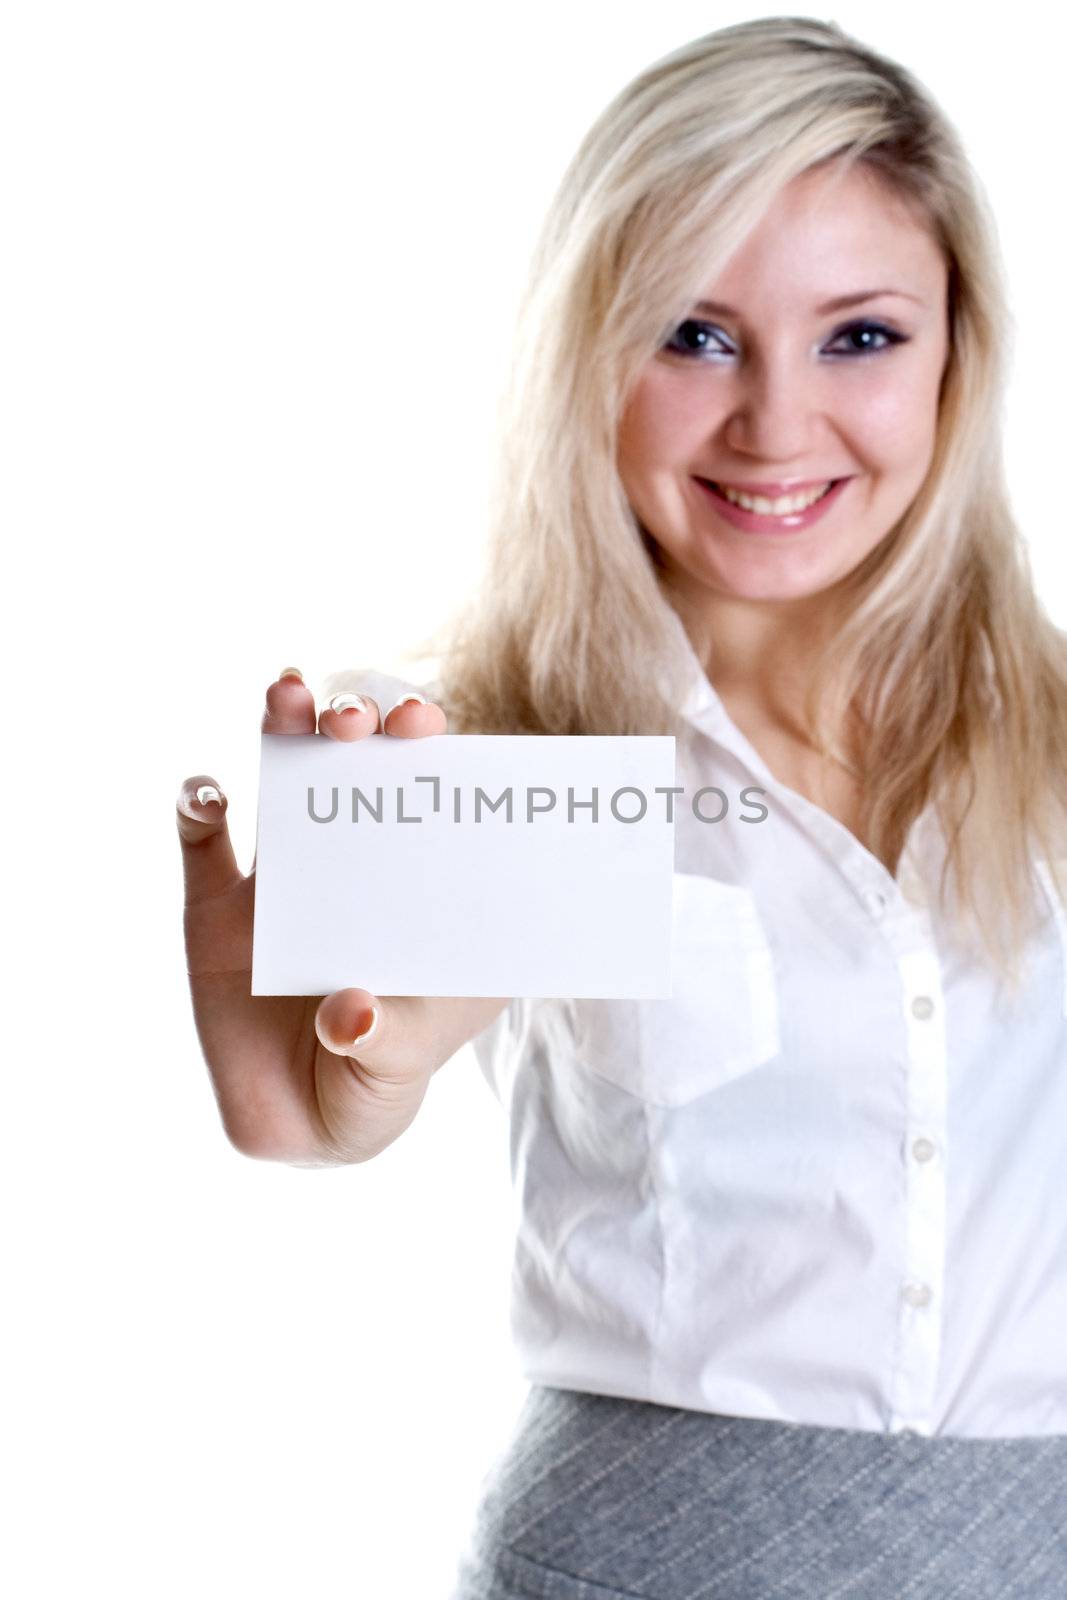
[597, 1497]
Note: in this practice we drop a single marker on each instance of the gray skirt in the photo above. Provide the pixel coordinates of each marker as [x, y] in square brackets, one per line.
[596, 1497]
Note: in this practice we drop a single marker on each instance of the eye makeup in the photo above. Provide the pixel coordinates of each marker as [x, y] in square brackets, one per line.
[868, 327]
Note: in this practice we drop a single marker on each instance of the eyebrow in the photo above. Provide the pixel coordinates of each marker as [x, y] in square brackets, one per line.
[842, 302]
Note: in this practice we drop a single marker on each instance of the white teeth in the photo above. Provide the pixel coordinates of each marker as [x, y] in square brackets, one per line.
[774, 508]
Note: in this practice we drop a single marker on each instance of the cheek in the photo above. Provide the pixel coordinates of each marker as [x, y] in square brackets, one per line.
[660, 423]
[893, 424]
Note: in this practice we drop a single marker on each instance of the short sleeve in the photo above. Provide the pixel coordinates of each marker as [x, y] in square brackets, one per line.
[384, 687]
[498, 1047]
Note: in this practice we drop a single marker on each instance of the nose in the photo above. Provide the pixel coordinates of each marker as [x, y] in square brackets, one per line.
[775, 411]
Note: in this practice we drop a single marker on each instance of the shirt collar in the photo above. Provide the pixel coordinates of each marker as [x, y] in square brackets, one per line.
[704, 710]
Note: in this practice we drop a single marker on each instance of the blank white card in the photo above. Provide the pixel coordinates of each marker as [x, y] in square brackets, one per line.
[465, 864]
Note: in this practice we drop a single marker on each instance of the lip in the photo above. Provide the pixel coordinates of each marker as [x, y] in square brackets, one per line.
[761, 522]
[774, 488]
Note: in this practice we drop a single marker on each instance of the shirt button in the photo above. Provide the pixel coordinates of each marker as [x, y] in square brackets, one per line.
[917, 1294]
[875, 901]
[924, 1149]
[922, 1007]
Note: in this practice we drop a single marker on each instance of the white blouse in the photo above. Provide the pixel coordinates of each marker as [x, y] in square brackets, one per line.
[824, 1182]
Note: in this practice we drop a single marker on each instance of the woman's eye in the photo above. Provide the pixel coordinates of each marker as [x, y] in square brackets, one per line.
[866, 333]
[695, 338]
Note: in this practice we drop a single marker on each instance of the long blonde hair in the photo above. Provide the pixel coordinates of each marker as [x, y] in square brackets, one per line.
[944, 655]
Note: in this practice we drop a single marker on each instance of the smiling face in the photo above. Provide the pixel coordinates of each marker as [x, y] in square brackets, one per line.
[769, 386]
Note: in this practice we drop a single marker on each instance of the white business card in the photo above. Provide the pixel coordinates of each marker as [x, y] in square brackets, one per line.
[465, 864]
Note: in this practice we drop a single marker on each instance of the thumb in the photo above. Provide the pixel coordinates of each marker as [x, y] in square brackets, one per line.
[370, 1074]
[360, 1026]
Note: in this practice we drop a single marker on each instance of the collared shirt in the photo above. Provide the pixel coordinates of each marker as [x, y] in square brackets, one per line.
[824, 1182]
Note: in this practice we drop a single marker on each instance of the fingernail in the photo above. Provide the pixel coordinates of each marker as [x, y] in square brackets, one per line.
[208, 795]
[404, 698]
[361, 1038]
[291, 672]
[347, 702]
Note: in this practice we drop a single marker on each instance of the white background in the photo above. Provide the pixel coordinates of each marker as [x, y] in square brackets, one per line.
[259, 269]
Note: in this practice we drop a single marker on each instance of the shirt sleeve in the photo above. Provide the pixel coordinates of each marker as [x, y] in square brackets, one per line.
[498, 1048]
[384, 687]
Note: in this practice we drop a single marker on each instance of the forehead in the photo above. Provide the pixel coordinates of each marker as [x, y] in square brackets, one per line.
[829, 232]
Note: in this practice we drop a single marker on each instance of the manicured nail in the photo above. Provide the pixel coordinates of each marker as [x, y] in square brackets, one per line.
[291, 672]
[361, 1038]
[208, 795]
[404, 698]
[347, 702]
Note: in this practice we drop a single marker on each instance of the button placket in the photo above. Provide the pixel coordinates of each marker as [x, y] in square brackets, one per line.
[876, 900]
[923, 1147]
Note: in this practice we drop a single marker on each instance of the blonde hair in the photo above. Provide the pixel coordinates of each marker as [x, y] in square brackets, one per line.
[944, 656]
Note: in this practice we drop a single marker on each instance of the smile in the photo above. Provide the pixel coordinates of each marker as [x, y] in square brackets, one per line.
[777, 507]
[757, 513]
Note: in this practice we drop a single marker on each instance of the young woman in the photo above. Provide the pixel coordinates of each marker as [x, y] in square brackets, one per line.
[791, 1274]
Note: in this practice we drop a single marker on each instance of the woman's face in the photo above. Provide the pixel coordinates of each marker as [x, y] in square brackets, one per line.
[769, 388]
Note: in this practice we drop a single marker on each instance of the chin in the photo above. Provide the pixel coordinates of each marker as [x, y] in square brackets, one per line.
[768, 588]
[776, 578]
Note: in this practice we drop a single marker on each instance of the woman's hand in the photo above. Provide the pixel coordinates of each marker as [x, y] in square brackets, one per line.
[305, 1080]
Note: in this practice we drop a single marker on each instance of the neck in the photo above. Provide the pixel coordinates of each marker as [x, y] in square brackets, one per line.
[761, 656]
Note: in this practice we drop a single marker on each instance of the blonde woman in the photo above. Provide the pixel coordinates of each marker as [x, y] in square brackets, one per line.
[790, 1280]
